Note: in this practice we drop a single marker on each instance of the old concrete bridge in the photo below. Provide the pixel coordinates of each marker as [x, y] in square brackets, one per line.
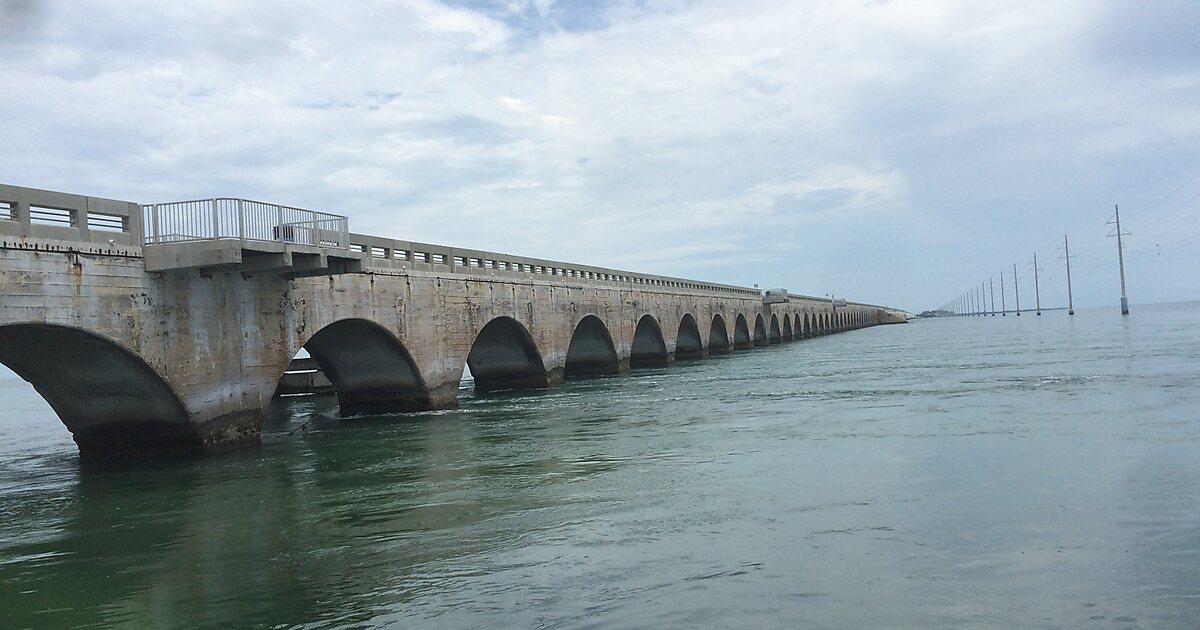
[166, 328]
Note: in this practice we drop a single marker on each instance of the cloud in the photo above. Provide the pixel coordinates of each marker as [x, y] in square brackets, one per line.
[667, 135]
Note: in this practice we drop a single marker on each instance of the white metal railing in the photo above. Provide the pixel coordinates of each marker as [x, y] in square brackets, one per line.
[225, 218]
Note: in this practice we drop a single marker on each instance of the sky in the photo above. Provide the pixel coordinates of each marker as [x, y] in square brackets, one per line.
[894, 153]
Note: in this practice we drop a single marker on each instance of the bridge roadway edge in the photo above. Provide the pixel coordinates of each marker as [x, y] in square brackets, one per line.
[221, 341]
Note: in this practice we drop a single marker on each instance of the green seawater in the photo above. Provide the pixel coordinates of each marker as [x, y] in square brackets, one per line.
[973, 472]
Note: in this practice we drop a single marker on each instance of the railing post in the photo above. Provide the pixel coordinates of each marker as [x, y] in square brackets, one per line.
[216, 212]
[279, 222]
[154, 233]
[241, 222]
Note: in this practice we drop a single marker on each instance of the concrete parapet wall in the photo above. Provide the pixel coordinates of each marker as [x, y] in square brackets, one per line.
[44, 214]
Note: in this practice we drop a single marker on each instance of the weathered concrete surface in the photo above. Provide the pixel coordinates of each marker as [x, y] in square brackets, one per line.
[188, 359]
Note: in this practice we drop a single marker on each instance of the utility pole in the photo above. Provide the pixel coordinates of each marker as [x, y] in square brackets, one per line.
[992, 290]
[1037, 291]
[1017, 289]
[1121, 260]
[1067, 256]
[1003, 305]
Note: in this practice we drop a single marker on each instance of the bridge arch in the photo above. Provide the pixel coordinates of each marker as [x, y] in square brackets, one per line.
[369, 367]
[806, 327]
[688, 344]
[794, 325]
[113, 403]
[775, 335]
[591, 352]
[718, 335]
[741, 334]
[760, 331]
[504, 356]
[649, 349]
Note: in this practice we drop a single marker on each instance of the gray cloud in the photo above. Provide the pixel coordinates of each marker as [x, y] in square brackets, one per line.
[892, 152]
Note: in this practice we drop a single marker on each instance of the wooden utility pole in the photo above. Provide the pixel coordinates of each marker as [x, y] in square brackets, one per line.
[1003, 305]
[1037, 291]
[1121, 260]
[1017, 289]
[1067, 256]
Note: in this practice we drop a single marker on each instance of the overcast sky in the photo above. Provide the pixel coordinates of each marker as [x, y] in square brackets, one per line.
[888, 152]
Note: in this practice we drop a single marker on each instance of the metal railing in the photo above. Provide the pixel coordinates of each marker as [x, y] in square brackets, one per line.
[225, 218]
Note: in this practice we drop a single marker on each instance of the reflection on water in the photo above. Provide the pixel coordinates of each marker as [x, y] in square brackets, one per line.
[991, 472]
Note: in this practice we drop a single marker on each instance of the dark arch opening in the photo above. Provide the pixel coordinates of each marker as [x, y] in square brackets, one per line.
[505, 357]
[741, 333]
[775, 336]
[591, 352]
[792, 330]
[718, 335]
[371, 370]
[112, 402]
[806, 328]
[688, 344]
[303, 377]
[649, 348]
[760, 331]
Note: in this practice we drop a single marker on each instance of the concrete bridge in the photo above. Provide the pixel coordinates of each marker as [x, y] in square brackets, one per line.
[165, 328]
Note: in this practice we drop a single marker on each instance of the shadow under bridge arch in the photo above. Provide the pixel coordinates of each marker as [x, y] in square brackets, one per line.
[371, 370]
[591, 352]
[741, 333]
[113, 403]
[649, 349]
[760, 331]
[505, 357]
[688, 344]
[718, 336]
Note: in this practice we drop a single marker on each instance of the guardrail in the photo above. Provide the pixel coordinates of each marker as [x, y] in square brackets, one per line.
[385, 253]
[46, 214]
[226, 218]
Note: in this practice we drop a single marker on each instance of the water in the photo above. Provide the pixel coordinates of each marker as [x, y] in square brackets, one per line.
[1006, 472]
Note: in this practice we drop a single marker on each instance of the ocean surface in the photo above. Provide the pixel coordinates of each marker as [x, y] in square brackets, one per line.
[956, 473]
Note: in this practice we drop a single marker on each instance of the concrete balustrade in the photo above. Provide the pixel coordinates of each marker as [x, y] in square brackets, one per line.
[58, 216]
